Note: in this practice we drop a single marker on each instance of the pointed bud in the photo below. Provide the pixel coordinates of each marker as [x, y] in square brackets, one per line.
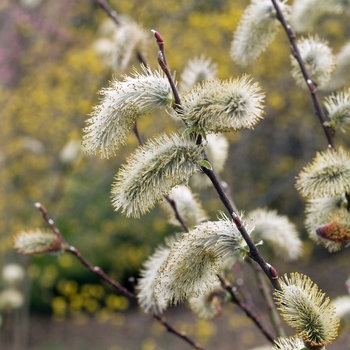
[157, 36]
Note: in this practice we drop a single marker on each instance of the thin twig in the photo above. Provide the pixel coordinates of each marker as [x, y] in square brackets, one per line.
[51, 223]
[98, 271]
[254, 252]
[171, 329]
[165, 68]
[177, 214]
[255, 318]
[114, 16]
[265, 291]
[311, 86]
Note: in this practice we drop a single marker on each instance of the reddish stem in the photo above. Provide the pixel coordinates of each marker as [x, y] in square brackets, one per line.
[254, 317]
[329, 132]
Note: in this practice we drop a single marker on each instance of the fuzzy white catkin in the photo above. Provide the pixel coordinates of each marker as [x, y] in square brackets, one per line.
[290, 343]
[149, 272]
[338, 109]
[187, 205]
[10, 299]
[12, 274]
[318, 60]
[277, 232]
[218, 106]
[255, 31]
[119, 44]
[152, 171]
[318, 212]
[127, 40]
[306, 308]
[196, 71]
[342, 305]
[36, 241]
[216, 148]
[194, 261]
[123, 103]
[208, 305]
[305, 13]
[341, 75]
[327, 176]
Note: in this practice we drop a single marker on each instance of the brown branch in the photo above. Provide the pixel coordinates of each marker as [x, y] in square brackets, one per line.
[114, 16]
[98, 271]
[171, 329]
[177, 214]
[329, 132]
[265, 291]
[111, 13]
[51, 223]
[254, 253]
[164, 66]
[235, 299]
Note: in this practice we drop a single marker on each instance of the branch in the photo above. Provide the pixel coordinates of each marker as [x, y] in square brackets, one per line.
[98, 271]
[315, 99]
[253, 250]
[171, 329]
[114, 16]
[264, 289]
[164, 66]
[255, 318]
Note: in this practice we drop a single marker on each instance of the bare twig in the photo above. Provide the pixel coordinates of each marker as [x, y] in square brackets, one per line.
[177, 214]
[98, 271]
[164, 66]
[171, 329]
[312, 89]
[114, 16]
[254, 252]
[266, 292]
[235, 299]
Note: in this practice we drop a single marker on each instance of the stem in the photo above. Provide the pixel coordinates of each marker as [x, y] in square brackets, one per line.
[98, 271]
[177, 214]
[265, 291]
[347, 196]
[164, 66]
[114, 16]
[255, 318]
[137, 134]
[51, 223]
[315, 99]
[181, 335]
[111, 13]
[254, 252]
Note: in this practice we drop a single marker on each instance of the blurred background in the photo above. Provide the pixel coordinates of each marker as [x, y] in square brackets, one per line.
[51, 68]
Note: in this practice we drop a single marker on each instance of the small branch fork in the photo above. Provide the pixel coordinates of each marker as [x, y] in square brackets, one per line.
[114, 16]
[98, 271]
[255, 318]
[254, 253]
[311, 86]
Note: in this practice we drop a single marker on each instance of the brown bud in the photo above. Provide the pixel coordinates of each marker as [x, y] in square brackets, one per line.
[334, 231]
[157, 36]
